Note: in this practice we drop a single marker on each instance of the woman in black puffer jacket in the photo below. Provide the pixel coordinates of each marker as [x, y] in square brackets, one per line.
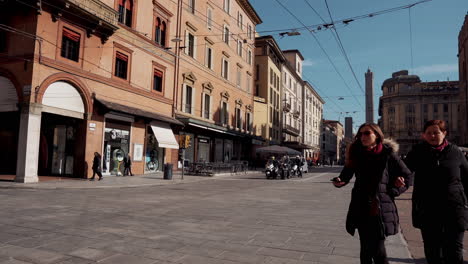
[439, 197]
[380, 177]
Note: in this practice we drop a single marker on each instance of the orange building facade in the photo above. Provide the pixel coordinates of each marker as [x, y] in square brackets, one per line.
[79, 77]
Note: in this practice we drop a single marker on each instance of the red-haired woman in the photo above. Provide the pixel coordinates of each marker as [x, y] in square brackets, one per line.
[439, 197]
[380, 177]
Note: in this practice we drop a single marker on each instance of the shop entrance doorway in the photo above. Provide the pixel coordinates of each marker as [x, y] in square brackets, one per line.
[60, 150]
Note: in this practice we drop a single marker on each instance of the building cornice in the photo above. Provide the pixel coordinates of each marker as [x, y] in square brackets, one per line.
[250, 11]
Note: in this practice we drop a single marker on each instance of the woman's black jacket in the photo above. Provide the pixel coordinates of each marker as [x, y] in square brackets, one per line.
[440, 186]
[382, 173]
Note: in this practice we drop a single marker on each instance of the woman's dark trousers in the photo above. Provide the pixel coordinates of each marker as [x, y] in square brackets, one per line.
[443, 245]
[372, 242]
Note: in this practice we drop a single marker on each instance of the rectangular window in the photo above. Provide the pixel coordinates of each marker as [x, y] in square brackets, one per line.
[249, 83]
[209, 18]
[249, 31]
[247, 122]
[257, 90]
[225, 69]
[188, 99]
[257, 72]
[226, 35]
[238, 118]
[70, 44]
[158, 81]
[209, 57]
[191, 6]
[425, 108]
[190, 45]
[446, 108]
[206, 108]
[239, 48]
[238, 79]
[227, 6]
[249, 57]
[436, 108]
[240, 21]
[224, 113]
[121, 65]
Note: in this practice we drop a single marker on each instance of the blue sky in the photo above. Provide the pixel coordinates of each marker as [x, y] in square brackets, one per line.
[381, 43]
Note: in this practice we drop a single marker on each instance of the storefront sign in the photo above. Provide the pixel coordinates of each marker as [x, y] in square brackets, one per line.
[137, 152]
[92, 126]
[202, 140]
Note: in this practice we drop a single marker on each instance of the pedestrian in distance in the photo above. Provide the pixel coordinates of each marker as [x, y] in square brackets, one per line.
[380, 177]
[127, 166]
[96, 166]
[440, 208]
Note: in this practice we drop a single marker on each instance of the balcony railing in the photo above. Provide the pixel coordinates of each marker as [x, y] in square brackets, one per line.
[291, 130]
[98, 9]
[297, 114]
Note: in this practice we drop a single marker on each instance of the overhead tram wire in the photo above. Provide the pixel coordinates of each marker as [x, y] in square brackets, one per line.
[410, 37]
[340, 43]
[323, 50]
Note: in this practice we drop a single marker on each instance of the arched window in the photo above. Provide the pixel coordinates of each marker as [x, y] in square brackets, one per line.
[157, 32]
[163, 34]
[125, 12]
[160, 32]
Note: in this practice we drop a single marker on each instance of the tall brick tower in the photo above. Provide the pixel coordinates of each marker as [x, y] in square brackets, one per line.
[369, 96]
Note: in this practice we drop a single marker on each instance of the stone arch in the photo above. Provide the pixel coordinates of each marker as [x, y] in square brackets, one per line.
[12, 94]
[79, 86]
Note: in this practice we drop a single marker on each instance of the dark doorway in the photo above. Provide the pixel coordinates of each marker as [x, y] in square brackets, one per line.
[9, 131]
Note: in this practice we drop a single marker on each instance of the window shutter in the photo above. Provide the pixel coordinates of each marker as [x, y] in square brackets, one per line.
[121, 56]
[71, 34]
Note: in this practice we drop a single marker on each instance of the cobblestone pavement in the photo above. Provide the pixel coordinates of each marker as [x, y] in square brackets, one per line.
[231, 219]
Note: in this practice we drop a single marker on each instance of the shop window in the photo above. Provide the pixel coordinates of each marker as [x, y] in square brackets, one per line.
[70, 44]
[160, 31]
[121, 65]
[158, 80]
[126, 12]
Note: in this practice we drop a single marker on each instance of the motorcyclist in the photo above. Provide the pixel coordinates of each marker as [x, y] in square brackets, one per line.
[298, 161]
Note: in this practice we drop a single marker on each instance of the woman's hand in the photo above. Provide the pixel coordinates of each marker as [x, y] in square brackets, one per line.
[399, 182]
[337, 182]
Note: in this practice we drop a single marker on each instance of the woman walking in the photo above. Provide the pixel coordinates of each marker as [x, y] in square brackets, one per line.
[380, 177]
[439, 197]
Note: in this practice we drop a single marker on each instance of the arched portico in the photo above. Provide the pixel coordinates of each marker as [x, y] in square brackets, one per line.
[9, 115]
[53, 130]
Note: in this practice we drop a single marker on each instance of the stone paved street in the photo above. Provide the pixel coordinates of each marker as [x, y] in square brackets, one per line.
[231, 219]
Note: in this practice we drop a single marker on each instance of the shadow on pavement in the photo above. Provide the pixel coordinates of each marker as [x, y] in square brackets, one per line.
[401, 260]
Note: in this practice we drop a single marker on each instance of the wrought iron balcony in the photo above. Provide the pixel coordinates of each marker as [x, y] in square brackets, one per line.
[296, 114]
[286, 107]
[291, 130]
[97, 17]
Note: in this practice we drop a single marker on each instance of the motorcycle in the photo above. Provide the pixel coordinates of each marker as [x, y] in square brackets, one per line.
[271, 170]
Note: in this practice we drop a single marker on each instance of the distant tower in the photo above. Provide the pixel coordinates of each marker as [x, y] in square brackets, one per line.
[348, 127]
[369, 96]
